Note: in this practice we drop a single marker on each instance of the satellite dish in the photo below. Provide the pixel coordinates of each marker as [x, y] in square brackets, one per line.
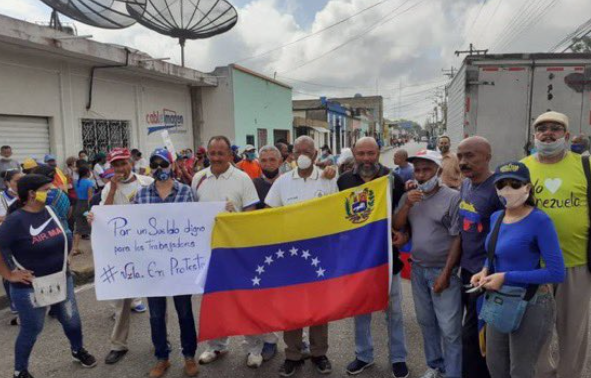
[184, 19]
[106, 14]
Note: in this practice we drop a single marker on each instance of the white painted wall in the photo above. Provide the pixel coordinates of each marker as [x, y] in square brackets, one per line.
[38, 83]
[218, 107]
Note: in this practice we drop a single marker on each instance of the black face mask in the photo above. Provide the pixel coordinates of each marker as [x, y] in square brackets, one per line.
[270, 174]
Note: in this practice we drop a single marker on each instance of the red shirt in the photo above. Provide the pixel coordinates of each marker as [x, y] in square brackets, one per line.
[251, 168]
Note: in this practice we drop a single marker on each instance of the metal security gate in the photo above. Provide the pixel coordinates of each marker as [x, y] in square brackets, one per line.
[102, 135]
[28, 136]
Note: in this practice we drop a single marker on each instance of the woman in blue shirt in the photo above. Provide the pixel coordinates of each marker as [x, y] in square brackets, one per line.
[526, 236]
[84, 191]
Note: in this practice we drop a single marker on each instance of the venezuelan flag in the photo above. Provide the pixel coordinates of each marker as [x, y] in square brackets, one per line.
[305, 264]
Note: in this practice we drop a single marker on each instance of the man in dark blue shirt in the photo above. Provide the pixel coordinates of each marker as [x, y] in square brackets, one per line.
[479, 200]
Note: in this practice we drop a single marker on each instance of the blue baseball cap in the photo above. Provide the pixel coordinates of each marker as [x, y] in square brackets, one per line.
[512, 170]
[163, 154]
[49, 157]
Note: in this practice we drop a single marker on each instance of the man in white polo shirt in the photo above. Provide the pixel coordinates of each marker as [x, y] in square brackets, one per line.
[221, 181]
[302, 184]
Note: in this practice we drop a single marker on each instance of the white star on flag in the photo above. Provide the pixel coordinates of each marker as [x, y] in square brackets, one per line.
[260, 269]
[256, 281]
[293, 251]
[315, 261]
[280, 254]
[306, 254]
[320, 272]
[269, 260]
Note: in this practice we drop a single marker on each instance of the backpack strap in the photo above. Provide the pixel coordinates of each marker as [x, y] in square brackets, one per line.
[492, 242]
[587, 170]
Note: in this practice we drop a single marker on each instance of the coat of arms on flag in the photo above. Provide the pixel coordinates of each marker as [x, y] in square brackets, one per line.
[300, 265]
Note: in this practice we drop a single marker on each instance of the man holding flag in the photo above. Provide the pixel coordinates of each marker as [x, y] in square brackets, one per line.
[303, 183]
[367, 168]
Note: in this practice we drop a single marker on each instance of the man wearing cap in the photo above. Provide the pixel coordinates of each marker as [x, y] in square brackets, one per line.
[561, 192]
[431, 212]
[221, 181]
[60, 180]
[28, 165]
[166, 190]
[250, 164]
[7, 163]
[450, 167]
[121, 189]
[201, 161]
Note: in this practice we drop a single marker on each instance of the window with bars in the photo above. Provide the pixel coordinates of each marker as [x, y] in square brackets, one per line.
[102, 135]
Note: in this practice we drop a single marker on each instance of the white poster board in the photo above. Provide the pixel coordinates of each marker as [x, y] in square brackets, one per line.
[156, 250]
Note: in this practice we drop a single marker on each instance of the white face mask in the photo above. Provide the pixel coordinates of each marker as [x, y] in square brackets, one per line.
[304, 162]
[513, 198]
[429, 185]
[551, 148]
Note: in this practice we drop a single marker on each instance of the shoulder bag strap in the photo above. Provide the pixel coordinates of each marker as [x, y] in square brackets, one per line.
[492, 242]
[587, 169]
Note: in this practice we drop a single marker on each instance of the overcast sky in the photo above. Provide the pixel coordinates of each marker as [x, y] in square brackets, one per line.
[396, 44]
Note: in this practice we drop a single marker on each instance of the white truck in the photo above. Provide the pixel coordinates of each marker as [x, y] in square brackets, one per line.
[499, 96]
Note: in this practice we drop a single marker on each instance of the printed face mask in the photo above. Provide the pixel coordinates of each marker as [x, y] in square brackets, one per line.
[162, 174]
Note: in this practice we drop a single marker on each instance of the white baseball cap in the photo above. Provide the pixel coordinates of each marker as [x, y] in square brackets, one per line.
[552, 117]
[430, 155]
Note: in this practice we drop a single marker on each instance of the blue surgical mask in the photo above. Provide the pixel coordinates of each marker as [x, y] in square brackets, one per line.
[251, 155]
[162, 174]
[577, 148]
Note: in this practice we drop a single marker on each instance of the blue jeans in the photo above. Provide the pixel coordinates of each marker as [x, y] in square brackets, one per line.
[440, 318]
[33, 318]
[396, 341]
[7, 290]
[184, 310]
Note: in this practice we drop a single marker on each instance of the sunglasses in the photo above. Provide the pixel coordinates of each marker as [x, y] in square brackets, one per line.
[552, 128]
[156, 165]
[513, 183]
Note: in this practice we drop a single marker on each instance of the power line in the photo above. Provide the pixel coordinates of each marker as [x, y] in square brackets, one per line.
[533, 21]
[323, 85]
[575, 34]
[515, 20]
[312, 34]
[494, 13]
[381, 22]
[476, 18]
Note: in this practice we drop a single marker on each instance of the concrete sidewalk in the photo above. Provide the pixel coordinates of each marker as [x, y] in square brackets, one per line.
[81, 266]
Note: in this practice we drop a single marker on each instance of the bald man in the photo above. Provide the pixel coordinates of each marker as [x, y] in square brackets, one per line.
[479, 200]
[404, 169]
[367, 168]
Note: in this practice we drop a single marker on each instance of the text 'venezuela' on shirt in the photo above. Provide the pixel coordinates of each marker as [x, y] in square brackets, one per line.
[561, 192]
[35, 240]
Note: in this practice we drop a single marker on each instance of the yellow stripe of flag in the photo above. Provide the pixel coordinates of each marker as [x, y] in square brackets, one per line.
[311, 219]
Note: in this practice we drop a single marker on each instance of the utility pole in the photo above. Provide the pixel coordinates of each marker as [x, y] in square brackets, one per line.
[472, 51]
[449, 73]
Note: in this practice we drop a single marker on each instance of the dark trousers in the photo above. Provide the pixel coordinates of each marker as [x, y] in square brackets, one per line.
[473, 364]
[182, 303]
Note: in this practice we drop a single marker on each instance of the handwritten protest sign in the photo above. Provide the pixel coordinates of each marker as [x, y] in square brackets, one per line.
[152, 250]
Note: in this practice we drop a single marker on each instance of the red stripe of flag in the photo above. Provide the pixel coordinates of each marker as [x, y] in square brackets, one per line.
[254, 312]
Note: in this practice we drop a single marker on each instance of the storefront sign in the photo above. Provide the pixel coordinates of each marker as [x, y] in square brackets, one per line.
[164, 120]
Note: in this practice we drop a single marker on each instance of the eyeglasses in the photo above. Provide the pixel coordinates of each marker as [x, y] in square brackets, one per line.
[513, 183]
[156, 165]
[552, 128]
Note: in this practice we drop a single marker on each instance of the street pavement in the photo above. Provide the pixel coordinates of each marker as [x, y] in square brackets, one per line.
[51, 357]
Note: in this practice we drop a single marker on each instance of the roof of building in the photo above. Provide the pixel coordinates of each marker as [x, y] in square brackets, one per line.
[67, 46]
[259, 75]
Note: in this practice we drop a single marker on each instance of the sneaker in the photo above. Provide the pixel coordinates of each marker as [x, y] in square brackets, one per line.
[139, 308]
[269, 351]
[289, 368]
[191, 368]
[210, 356]
[86, 359]
[254, 361]
[322, 364]
[400, 370]
[23, 374]
[159, 369]
[432, 373]
[357, 367]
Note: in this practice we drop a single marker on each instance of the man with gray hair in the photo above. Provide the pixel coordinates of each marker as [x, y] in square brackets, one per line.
[303, 183]
[270, 160]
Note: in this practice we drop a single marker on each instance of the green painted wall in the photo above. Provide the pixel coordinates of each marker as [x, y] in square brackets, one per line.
[259, 104]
